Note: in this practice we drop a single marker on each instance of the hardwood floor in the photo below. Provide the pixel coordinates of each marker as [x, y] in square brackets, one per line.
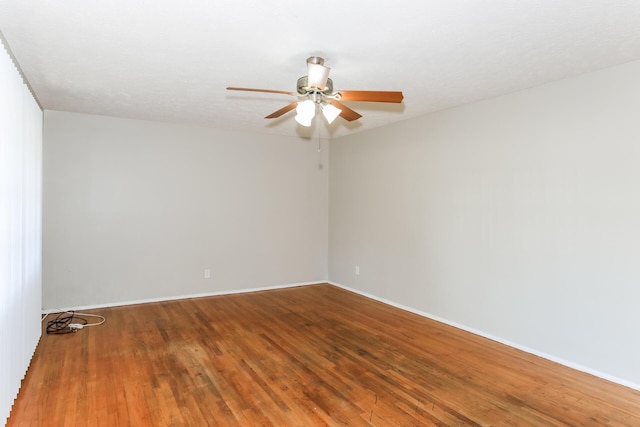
[307, 356]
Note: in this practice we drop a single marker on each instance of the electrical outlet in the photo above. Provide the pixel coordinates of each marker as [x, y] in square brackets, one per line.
[207, 273]
[357, 270]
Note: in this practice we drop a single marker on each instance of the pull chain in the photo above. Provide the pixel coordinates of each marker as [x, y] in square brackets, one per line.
[319, 146]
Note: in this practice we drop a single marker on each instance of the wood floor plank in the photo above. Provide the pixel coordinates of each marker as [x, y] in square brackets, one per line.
[308, 356]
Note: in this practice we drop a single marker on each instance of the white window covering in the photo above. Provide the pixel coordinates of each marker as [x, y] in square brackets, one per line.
[20, 230]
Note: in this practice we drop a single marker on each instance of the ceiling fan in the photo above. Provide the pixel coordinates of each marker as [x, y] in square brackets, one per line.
[316, 90]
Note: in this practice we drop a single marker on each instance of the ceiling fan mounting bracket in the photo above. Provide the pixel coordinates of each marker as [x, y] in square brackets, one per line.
[315, 60]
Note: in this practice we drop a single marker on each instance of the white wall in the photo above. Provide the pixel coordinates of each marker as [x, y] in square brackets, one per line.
[136, 210]
[518, 217]
[20, 229]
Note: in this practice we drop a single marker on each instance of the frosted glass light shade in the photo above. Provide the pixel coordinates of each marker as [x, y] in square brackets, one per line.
[306, 108]
[330, 112]
[305, 112]
[303, 120]
[317, 75]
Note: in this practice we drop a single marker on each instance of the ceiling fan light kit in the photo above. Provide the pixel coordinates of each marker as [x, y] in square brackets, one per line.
[316, 89]
[330, 112]
[306, 111]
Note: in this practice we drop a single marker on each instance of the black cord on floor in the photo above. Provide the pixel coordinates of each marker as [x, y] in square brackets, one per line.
[60, 325]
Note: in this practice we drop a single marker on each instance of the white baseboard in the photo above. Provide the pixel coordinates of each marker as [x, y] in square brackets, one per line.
[529, 350]
[179, 297]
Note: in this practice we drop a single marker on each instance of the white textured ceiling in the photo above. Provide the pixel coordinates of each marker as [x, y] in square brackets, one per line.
[172, 60]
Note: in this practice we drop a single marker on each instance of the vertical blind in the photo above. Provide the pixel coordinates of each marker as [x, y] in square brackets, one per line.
[20, 229]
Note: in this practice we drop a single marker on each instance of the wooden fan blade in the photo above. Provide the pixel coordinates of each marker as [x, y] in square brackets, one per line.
[370, 96]
[282, 110]
[248, 89]
[345, 112]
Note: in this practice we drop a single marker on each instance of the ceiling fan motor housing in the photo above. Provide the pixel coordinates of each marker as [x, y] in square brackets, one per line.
[304, 89]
